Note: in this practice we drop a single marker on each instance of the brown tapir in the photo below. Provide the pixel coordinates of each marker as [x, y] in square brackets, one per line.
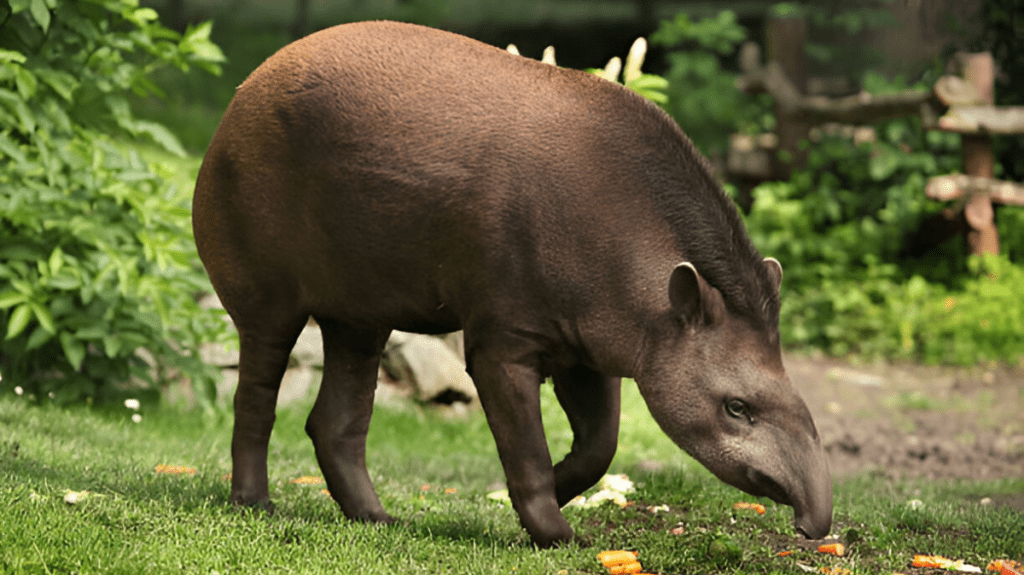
[380, 176]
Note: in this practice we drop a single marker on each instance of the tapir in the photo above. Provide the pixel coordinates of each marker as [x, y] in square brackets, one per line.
[380, 176]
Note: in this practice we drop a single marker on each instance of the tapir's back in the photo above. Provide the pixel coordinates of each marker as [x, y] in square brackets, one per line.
[418, 169]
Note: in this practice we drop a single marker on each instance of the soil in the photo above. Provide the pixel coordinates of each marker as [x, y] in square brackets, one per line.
[913, 421]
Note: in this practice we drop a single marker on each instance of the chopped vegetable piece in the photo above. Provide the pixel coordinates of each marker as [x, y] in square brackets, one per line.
[834, 548]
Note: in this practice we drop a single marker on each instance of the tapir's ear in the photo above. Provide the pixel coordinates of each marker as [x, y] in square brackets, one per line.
[774, 272]
[693, 300]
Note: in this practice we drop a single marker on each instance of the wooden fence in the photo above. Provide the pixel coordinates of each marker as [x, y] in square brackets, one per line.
[961, 103]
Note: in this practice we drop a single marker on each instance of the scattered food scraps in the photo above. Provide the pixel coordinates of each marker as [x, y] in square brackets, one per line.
[75, 497]
[1006, 567]
[308, 480]
[325, 492]
[613, 488]
[939, 562]
[604, 496]
[784, 553]
[677, 530]
[619, 483]
[175, 469]
[755, 506]
[620, 562]
[501, 496]
[837, 549]
[835, 571]
[450, 490]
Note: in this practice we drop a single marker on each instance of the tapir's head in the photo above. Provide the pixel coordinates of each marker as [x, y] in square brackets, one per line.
[713, 380]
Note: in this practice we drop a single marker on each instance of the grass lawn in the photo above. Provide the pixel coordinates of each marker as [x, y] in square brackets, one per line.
[434, 475]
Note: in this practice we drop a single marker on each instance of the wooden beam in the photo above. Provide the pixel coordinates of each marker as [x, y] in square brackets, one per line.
[861, 108]
[955, 186]
[974, 119]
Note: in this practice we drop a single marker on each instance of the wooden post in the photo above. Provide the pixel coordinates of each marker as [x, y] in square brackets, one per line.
[785, 43]
[983, 237]
[300, 26]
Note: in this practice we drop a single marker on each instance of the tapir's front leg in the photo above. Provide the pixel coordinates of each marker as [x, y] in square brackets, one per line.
[510, 394]
[592, 402]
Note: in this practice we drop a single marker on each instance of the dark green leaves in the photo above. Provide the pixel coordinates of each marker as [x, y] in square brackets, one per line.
[96, 256]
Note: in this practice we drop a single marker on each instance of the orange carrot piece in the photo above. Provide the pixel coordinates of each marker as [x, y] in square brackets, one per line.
[760, 509]
[615, 558]
[930, 561]
[837, 549]
[175, 469]
[625, 569]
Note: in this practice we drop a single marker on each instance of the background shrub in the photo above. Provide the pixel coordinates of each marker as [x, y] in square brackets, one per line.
[97, 262]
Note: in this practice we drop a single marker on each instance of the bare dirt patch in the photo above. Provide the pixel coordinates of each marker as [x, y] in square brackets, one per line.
[903, 421]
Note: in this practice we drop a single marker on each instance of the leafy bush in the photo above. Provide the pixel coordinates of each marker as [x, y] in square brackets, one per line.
[838, 227]
[96, 257]
[702, 96]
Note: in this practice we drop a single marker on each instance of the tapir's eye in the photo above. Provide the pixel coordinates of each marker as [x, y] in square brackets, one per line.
[736, 408]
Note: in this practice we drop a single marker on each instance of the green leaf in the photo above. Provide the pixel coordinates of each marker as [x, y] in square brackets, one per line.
[199, 32]
[56, 260]
[26, 82]
[111, 345]
[41, 13]
[145, 15]
[74, 350]
[19, 5]
[11, 297]
[11, 56]
[43, 316]
[38, 338]
[19, 320]
[64, 282]
[162, 136]
[11, 149]
[20, 109]
[62, 82]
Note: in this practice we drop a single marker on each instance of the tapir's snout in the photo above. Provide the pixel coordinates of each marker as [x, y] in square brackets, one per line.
[806, 485]
[812, 516]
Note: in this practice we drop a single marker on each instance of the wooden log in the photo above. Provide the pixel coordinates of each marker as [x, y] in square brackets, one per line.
[1005, 120]
[860, 108]
[955, 186]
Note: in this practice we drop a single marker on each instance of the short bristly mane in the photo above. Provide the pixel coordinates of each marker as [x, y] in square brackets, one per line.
[708, 226]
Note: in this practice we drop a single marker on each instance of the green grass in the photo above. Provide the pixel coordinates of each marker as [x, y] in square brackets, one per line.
[138, 521]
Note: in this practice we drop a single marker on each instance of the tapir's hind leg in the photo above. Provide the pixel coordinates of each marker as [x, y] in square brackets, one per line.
[341, 417]
[263, 358]
[591, 401]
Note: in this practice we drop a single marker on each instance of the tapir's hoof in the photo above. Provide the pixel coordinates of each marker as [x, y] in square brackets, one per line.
[265, 506]
[379, 517]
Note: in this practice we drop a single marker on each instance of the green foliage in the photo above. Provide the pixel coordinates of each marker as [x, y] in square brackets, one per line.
[96, 257]
[838, 227]
[702, 96]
